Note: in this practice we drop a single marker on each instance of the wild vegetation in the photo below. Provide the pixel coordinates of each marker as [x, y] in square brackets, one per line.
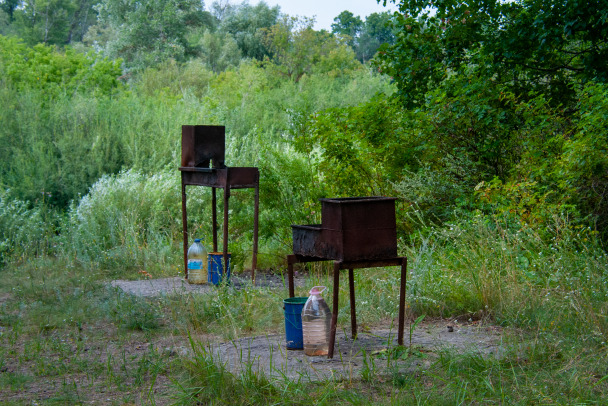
[486, 119]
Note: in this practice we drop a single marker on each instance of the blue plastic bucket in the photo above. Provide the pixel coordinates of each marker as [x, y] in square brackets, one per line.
[215, 274]
[293, 322]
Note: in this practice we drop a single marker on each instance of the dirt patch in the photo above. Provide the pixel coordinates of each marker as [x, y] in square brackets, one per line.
[375, 348]
[178, 285]
[89, 369]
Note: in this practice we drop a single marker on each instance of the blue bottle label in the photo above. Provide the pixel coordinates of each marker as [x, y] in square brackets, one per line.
[195, 264]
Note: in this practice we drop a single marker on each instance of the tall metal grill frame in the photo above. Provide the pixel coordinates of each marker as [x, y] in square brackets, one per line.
[202, 164]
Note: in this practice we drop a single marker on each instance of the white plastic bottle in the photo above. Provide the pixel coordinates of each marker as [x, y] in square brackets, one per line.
[197, 263]
[316, 323]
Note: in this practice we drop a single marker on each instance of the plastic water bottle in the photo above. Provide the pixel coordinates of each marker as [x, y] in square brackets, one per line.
[197, 263]
[316, 319]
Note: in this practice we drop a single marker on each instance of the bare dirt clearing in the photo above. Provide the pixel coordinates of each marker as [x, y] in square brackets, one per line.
[375, 348]
[100, 363]
[177, 285]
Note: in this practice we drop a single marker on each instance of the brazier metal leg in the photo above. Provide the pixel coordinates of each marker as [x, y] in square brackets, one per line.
[353, 314]
[402, 301]
[214, 217]
[290, 262]
[185, 228]
[334, 314]
[256, 211]
[225, 242]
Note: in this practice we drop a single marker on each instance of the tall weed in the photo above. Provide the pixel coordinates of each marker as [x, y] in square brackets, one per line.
[25, 232]
[487, 267]
[132, 222]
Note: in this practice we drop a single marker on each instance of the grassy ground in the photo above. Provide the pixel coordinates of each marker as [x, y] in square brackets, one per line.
[68, 338]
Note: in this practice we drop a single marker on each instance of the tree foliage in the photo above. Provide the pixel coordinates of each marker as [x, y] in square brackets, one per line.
[9, 6]
[360, 149]
[148, 33]
[348, 25]
[583, 167]
[365, 37]
[376, 32]
[58, 22]
[247, 25]
[542, 45]
[298, 50]
[39, 160]
[219, 51]
[42, 67]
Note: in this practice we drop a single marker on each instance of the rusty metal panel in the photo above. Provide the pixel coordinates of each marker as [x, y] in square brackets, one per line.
[234, 178]
[203, 145]
[308, 241]
[243, 177]
[362, 244]
[353, 213]
[206, 177]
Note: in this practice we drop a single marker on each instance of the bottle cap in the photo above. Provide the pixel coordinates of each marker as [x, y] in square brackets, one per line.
[197, 240]
[317, 290]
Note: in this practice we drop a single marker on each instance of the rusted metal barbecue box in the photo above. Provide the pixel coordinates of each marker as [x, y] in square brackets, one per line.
[202, 144]
[351, 229]
[203, 164]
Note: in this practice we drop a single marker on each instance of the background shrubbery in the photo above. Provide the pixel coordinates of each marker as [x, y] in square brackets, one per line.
[486, 119]
[90, 145]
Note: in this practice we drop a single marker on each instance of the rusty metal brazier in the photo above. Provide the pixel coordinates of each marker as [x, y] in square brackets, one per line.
[351, 229]
[202, 164]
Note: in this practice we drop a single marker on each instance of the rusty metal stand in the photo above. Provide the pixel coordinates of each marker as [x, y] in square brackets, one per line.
[351, 266]
[227, 179]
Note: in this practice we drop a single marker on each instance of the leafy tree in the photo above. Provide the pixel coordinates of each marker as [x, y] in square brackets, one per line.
[5, 23]
[219, 9]
[42, 67]
[541, 45]
[57, 22]
[298, 50]
[348, 25]
[582, 170]
[49, 151]
[359, 149]
[219, 51]
[375, 32]
[9, 6]
[365, 37]
[147, 33]
[247, 25]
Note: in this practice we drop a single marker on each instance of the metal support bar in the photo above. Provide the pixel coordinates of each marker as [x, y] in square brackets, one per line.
[256, 212]
[334, 313]
[353, 314]
[402, 301]
[225, 241]
[214, 217]
[185, 229]
[291, 259]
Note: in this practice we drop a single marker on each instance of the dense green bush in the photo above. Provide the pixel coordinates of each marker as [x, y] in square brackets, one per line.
[25, 232]
[43, 67]
[583, 167]
[131, 222]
